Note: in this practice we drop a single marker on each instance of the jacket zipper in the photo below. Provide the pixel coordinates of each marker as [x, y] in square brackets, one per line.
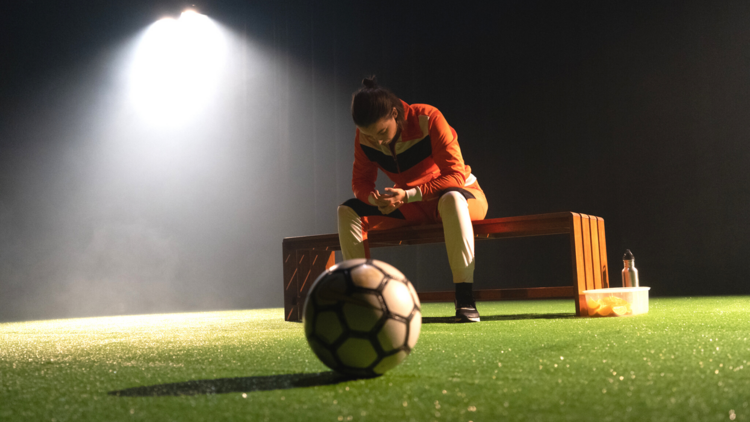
[392, 147]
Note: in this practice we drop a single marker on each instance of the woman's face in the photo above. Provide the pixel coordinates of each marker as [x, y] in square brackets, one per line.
[384, 130]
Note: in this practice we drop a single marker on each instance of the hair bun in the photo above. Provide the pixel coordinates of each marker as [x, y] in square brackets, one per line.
[370, 82]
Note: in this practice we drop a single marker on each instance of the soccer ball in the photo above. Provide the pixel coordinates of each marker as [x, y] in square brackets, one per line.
[362, 317]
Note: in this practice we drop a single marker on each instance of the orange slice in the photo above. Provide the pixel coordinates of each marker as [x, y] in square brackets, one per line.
[621, 310]
[604, 310]
[614, 301]
[592, 303]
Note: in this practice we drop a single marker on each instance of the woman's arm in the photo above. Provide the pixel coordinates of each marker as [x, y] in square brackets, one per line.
[447, 156]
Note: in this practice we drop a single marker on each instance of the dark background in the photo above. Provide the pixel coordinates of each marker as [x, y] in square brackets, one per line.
[633, 111]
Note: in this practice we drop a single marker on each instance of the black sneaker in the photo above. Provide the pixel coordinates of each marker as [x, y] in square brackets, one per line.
[466, 312]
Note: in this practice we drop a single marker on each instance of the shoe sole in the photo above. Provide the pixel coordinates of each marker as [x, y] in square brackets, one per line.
[466, 319]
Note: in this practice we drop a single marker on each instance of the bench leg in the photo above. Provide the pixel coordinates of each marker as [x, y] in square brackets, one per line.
[290, 284]
[589, 257]
[603, 253]
[301, 268]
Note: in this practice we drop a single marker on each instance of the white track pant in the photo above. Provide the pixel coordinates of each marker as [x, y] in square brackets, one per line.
[459, 235]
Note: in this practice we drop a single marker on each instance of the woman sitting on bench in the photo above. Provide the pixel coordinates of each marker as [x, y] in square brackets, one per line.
[417, 149]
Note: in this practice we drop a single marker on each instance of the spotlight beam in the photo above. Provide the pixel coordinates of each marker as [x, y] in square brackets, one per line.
[176, 67]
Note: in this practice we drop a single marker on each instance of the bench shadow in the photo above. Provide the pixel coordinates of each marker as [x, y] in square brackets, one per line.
[234, 385]
[516, 317]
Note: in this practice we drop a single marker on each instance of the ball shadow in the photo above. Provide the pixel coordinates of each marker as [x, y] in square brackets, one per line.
[235, 385]
[516, 317]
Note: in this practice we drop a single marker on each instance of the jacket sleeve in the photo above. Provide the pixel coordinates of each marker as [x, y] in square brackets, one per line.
[447, 156]
[364, 174]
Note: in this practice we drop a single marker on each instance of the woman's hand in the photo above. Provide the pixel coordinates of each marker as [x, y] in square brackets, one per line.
[389, 201]
[395, 195]
[394, 198]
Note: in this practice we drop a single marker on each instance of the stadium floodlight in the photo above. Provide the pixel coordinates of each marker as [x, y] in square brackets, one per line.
[176, 67]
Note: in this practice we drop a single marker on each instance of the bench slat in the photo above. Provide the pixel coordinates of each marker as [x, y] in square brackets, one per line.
[603, 264]
[493, 228]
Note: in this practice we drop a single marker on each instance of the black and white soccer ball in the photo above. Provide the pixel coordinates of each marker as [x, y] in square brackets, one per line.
[362, 317]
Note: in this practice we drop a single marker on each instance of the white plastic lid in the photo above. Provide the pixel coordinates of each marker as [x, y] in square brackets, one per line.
[618, 290]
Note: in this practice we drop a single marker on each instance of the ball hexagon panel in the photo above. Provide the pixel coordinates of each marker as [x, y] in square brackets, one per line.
[389, 362]
[308, 318]
[390, 270]
[415, 326]
[367, 276]
[414, 294]
[362, 311]
[397, 298]
[351, 263]
[393, 335]
[330, 288]
[328, 327]
[357, 353]
[322, 353]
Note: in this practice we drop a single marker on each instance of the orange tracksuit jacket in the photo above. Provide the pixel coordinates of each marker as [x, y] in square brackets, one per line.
[426, 155]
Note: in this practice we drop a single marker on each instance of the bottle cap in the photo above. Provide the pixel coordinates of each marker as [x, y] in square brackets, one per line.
[628, 255]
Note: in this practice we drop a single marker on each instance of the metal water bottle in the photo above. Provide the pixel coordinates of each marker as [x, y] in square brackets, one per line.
[629, 272]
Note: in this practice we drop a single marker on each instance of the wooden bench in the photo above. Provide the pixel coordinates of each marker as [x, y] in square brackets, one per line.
[305, 257]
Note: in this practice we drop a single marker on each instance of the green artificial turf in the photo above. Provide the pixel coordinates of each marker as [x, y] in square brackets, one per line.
[686, 360]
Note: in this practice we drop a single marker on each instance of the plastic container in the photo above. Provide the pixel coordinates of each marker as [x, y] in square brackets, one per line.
[619, 301]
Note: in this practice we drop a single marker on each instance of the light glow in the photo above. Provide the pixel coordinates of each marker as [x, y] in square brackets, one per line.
[177, 68]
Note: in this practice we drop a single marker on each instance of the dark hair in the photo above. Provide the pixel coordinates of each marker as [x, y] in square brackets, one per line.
[371, 103]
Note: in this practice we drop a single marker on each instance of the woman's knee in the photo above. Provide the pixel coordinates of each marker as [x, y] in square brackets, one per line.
[451, 199]
[345, 212]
